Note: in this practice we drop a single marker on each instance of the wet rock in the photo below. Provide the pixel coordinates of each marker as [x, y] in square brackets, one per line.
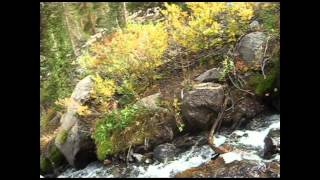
[183, 143]
[272, 143]
[50, 159]
[276, 104]
[236, 169]
[211, 75]
[262, 121]
[107, 162]
[138, 157]
[273, 168]
[250, 48]
[164, 152]
[116, 172]
[244, 112]
[201, 105]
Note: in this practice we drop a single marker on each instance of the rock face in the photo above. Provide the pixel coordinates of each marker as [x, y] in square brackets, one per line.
[210, 75]
[250, 48]
[78, 147]
[245, 109]
[164, 152]
[272, 143]
[201, 105]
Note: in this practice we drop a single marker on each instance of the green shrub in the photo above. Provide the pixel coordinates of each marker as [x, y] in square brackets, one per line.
[113, 122]
[269, 14]
[207, 24]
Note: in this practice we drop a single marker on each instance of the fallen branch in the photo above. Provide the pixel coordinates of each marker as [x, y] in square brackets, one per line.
[263, 65]
[239, 87]
[215, 125]
[128, 154]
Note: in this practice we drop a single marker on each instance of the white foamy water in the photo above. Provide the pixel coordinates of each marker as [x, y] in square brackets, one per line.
[256, 138]
[191, 158]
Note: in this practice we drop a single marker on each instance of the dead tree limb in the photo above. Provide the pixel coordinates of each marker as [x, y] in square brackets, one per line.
[263, 58]
[239, 87]
[128, 155]
[215, 125]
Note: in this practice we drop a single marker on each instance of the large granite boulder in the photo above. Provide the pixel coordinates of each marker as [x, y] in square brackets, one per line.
[251, 48]
[201, 105]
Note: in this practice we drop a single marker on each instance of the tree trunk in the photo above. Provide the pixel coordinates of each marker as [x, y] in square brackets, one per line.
[75, 51]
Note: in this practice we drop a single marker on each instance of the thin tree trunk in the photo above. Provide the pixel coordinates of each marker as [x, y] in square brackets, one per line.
[125, 15]
[68, 28]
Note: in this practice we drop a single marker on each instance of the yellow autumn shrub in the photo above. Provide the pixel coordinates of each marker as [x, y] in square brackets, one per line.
[133, 51]
[207, 24]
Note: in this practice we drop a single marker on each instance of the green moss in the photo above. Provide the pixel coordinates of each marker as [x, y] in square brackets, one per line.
[45, 165]
[62, 136]
[262, 85]
[55, 156]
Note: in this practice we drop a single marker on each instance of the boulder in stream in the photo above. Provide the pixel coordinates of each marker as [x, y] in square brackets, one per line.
[201, 105]
[164, 152]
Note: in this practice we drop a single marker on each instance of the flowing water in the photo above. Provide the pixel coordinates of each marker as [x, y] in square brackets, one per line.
[249, 145]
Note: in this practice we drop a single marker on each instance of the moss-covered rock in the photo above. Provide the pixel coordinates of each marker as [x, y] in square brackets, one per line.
[263, 85]
[62, 136]
[132, 125]
[51, 159]
[45, 165]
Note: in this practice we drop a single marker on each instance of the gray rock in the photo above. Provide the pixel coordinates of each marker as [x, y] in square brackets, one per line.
[250, 48]
[164, 152]
[272, 143]
[201, 105]
[150, 102]
[210, 75]
[78, 147]
[244, 111]
[82, 90]
[254, 26]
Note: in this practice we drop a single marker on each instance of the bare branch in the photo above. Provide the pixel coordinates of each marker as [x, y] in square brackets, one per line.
[263, 58]
[239, 87]
[216, 124]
